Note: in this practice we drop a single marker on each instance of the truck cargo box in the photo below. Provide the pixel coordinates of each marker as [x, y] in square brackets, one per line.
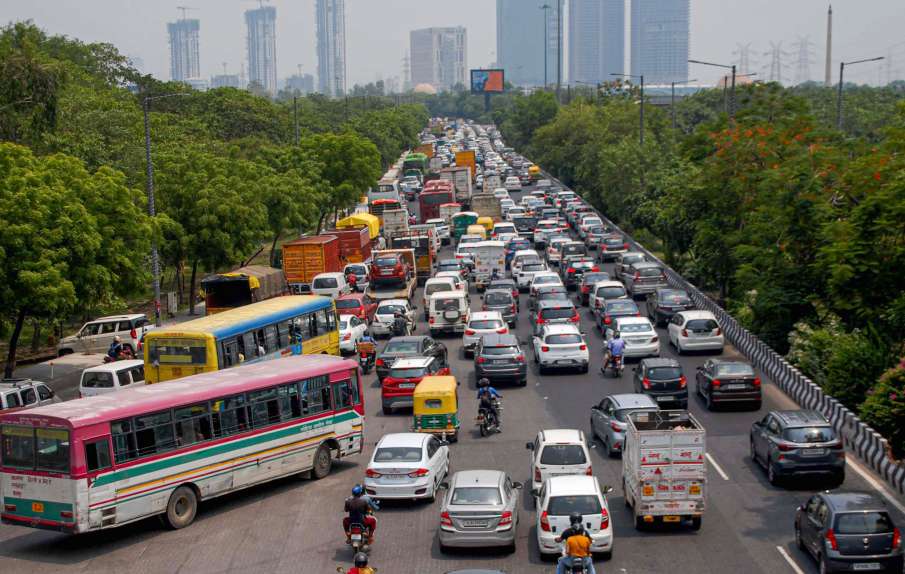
[354, 243]
[306, 257]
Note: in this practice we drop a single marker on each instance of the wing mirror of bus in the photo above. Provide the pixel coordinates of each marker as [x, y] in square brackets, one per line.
[529, 445]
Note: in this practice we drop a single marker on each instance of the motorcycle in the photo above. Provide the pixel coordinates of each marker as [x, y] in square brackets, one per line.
[487, 423]
[616, 366]
[575, 565]
[367, 355]
[342, 570]
[124, 354]
[359, 537]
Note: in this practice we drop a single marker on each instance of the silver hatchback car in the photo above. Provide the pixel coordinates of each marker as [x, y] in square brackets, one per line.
[609, 418]
[480, 509]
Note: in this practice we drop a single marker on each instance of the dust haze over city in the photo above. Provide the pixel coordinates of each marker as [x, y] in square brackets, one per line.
[377, 34]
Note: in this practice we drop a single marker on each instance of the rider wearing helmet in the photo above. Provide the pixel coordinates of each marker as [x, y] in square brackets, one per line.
[577, 545]
[486, 396]
[361, 565]
[359, 506]
[615, 347]
[575, 527]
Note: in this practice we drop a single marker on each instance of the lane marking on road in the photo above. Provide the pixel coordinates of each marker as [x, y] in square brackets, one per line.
[718, 468]
[789, 560]
[876, 484]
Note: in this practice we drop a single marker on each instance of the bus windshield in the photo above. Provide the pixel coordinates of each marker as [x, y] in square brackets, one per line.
[182, 351]
[40, 449]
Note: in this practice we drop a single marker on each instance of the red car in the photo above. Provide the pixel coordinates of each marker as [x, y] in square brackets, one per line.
[358, 304]
[397, 389]
[390, 268]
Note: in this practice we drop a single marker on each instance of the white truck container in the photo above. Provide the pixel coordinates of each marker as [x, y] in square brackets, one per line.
[487, 205]
[664, 470]
[395, 222]
[492, 182]
[461, 178]
[489, 256]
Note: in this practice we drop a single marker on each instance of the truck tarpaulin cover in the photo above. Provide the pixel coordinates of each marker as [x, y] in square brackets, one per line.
[242, 286]
[357, 219]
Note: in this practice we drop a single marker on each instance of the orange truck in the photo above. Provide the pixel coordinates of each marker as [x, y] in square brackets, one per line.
[306, 257]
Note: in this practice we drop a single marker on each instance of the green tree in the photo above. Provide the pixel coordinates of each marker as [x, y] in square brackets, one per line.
[884, 408]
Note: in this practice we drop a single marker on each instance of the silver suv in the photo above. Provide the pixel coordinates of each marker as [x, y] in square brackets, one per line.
[25, 393]
[96, 336]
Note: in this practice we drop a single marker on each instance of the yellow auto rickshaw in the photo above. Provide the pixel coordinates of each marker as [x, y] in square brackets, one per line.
[477, 229]
[487, 222]
[436, 407]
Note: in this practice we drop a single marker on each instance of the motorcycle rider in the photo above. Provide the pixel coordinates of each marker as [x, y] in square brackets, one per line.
[486, 400]
[367, 341]
[361, 565]
[577, 545]
[575, 527]
[400, 324]
[116, 348]
[359, 506]
[615, 347]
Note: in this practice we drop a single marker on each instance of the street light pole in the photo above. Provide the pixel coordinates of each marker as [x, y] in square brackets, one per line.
[672, 99]
[731, 105]
[152, 212]
[295, 113]
[842, 66]
[545, 8]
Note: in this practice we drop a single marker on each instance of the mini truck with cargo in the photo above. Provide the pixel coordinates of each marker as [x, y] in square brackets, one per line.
[309, 256]
[405, 291]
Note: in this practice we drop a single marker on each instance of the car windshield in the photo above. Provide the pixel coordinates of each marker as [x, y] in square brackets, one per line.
[701, 325]
[635, 328]
[410, 373]
[803, 435]
[347, 304]
[563, 454]
[485, 324]
[498, 298]
[385, 261]
[398, 454]
[500, 351]
[563, 339]
[477, 495]
[560, 313]
[611, 292]
[390, 309]
[664, 373]
[583, 504]
[738, 369]
[863, 523]
[399, 347]
[324, 283]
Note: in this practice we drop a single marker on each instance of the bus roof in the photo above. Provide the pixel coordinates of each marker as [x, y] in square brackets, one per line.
[242, 319]
[194, 389]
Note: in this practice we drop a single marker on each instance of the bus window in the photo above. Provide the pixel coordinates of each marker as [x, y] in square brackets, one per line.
[123, 441]
[312, 325]
[154, 433]
[271, 341]
[229, 416]
[316, 396]
[356, 393]
[193, 424]
[248, 342]
[323, 324]
[290, 404]
[283, 333]
[229, 353]
[265, 408]
[97, 455]
[342, 396]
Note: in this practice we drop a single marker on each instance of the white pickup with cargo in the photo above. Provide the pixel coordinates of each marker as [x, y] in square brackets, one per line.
[664, 471]
[395, 222]
[489, 256]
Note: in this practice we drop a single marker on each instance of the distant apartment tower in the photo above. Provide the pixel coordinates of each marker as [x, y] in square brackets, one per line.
[438, 57]
[185, 61]
[262, 48]
[660, 40]
[225, 81]
[301, 83]
[596, 39]
[520, 42]
[331, 47]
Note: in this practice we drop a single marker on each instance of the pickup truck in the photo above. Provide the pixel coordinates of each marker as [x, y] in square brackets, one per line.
[406, 291]
[664, 471]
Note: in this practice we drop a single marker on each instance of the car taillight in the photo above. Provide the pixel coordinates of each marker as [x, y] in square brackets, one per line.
[430, 321]
[418, 473]
[570, 270]
[607, 319]
[716, 383]
[604, 519]
[646, 382]
[133, 334]
[637, 276]
[683, 382]
[756, 381]
[537, 477]
[684, 332]
[483, 307]
[717, 332]
[445, 520]
[831, 539]
[625, 245]
[540, 320]
[544, 522]
[502, 330]
[583, 348]
[545, 349]
[469, 331]
[896, 538]
[481, 360]
[603, 247]
[585, 288]
[589, 471]
[505, 519]
[784, 446]
[379, 362]
[595, 269]
[372, 473]
[520, 358]
[615, 426]
[512, 307]
[347, 336]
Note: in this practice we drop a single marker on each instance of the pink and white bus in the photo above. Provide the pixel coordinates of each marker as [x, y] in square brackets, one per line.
[104, 461]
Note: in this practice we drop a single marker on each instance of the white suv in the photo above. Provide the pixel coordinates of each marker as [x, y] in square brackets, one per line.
[558, 452]
[560, 346]
[22, 393]
[562, 495]
[96, 336]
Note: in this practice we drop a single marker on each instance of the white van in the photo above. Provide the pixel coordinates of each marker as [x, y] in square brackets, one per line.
[489, 256]
[111, 377]
[332, 284]
[436, 285]
[449, 312]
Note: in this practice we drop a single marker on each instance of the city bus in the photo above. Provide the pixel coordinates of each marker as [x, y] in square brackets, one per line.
[430, 200]
[293, 324]
[107, 460]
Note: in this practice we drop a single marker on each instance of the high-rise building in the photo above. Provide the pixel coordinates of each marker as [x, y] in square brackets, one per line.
[555, 40]
[262, 48]
[301, 83]
[660, 40]
[596, 39]
[185, 61]
[331, 47]
[225, 81]
[438, 57]
[520, 32]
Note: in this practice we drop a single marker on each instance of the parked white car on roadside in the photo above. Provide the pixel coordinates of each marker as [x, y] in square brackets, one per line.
[112, 377]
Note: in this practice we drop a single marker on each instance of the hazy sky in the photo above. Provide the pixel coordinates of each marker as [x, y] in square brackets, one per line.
[377, 31]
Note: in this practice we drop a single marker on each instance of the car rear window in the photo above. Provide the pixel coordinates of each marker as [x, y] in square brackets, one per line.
[499, 298]
[565, 505]
[809, 434]
[563, 454]
[650, 272]
[533, 267]
[571, 249]
[97, 381]
[610, 292]
[390, 309]
[324, 283]
[545, 279]
[476, 495]
[664, 373]
[625, 306]
[437, 288]
[398, 454]
[446, 304]
[738, 369]
[635, 328]
[347, 304]
[384, 261]
[701, 325]
[412, 373]
[595, 277]
[863, 523]
[563, 339]
[396, 346]
[613, 241]
[357, 269]
[561, 313]
[485, 324]
[499, 351]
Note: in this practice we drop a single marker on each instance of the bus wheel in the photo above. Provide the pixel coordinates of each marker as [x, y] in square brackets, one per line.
[322, 463]
[181, 508]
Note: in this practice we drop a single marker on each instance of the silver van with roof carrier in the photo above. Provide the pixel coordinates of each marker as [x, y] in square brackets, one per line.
[25, 393]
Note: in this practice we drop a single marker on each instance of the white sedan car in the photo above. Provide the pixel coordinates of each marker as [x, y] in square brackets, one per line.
[383, 317]
[560, 346]
[351, 330]
[482, 323]
[558, 498]
[524, 273]
[640, 337]
[501, 193]
[442, 228]
[512, 183]
[695, 331]
[408, 466]
[545, 278]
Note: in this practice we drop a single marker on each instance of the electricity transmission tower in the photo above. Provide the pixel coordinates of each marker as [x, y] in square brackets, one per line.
[777, 69]
[806, 56]
[743, 58]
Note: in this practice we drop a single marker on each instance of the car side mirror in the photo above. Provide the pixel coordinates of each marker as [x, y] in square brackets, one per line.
[444, 485]
[517, 485]
[443, 442]
[799, 509]
[607, 489]
[529, 445]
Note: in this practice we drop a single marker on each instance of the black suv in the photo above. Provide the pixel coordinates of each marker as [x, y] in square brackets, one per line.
[849, 531]
[499, 357]
[662, 304]
[662, 380]
[792, 443]
[409, 347]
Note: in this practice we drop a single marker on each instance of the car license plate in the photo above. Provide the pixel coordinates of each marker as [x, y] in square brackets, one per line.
[500, 362]
[394, 476]
[664, 399]
[565, 362]
[671, 518]
[866, 566]
[738, 387]
[474, 523]
[813, 452]
[406, 385]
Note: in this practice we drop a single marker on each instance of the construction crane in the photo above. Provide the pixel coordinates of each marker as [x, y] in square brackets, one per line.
[184, 9]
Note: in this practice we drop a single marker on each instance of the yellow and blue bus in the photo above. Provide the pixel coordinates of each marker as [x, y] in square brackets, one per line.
[278, 327]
